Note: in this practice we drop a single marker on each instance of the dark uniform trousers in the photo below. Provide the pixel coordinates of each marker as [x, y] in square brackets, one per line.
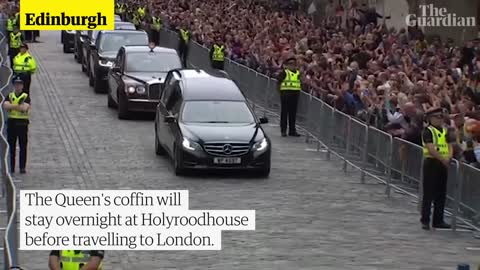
[435, 176]
[289, 103]
[218, 65]
[27, 79]
[183, 51]
[155, 36]
[12, 52]
[17, 129]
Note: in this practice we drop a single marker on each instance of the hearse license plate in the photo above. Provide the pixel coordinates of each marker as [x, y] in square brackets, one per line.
[227, 160]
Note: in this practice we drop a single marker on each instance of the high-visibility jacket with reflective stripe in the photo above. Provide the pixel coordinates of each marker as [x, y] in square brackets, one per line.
[14, 100]
[24, 63]
[440, 142]
[185, 35]
[141, 12]
[218, 53]
[15, 40]
[11, 24]
[74, 260]
[291, 82]
[157, 23]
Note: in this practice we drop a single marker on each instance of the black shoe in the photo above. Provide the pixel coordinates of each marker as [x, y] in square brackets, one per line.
[426, 226]
[284, 134]
[442, 226]
[294, 134]
[23, 171]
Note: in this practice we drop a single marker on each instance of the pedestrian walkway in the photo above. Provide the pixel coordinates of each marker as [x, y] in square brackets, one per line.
[310, 215]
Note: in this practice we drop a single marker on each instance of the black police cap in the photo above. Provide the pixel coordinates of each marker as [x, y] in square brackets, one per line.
[434, 111]
[18, 80]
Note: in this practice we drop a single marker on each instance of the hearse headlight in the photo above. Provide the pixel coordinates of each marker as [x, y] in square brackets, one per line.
[140, 90]
[130, 89]
[261, 145]
[190, 145]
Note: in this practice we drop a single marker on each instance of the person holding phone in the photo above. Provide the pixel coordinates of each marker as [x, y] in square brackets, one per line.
[18, 108]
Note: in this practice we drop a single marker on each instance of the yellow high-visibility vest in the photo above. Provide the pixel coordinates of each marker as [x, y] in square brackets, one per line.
[291, 82]
[11, 23]
[185, 35]
[15, 40]
[141, 12]
[74, 260]
[24, 63]
[218, 53]
[157, 23]
[440, 142]
[14, 100]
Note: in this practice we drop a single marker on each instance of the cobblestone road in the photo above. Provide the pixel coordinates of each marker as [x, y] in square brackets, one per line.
[309, 214]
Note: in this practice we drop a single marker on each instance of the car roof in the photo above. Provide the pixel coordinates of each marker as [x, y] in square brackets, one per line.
[123, 31]
[146, 48]
[200, 85]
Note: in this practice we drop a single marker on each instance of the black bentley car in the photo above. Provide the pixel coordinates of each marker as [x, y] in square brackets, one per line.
[80, 38]
[136, 78]
[204, 122]
[68, 40]
[103, 53]
[88, 43]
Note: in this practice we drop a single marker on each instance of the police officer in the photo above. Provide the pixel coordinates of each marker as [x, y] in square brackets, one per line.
[437, 153]
[184, 36]
[217, 54]
[290, 88]
[76, 259]
[155, 29]
[24, 65]
[16, 40]
[18, 107]
[11, 23]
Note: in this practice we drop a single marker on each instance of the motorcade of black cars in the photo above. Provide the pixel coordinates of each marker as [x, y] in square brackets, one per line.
[205, 122]
[68, 40]
[104, 52]
[136, 78]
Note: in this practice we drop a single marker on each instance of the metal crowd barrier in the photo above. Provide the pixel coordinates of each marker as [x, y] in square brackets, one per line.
[376, 154]
[10, 240]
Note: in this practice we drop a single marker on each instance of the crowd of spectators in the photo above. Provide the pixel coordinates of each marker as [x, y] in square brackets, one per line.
[350, 60]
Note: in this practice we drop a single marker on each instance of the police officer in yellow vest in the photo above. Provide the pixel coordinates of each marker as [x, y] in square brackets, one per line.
[76, 259]
[290, 89]
[155, 27]
[24, 65]
[141, 13]
[217, 54]
[437, 153]
[184, 36]
[16, 40]
[18, 107]
[11, 23]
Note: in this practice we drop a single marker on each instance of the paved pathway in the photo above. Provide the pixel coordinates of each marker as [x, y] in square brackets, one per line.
[310, 215]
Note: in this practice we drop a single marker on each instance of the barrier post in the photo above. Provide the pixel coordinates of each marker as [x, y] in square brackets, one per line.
[347, 144]
[389, 167]
[267, 100]
[457, 194]
[365, 154]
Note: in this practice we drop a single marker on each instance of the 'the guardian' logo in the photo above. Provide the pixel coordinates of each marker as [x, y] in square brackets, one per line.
[432, 16]
[91, 22]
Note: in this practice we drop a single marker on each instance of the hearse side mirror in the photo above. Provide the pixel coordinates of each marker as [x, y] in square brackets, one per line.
[170, 119]
[116, 69]
[263, 120]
